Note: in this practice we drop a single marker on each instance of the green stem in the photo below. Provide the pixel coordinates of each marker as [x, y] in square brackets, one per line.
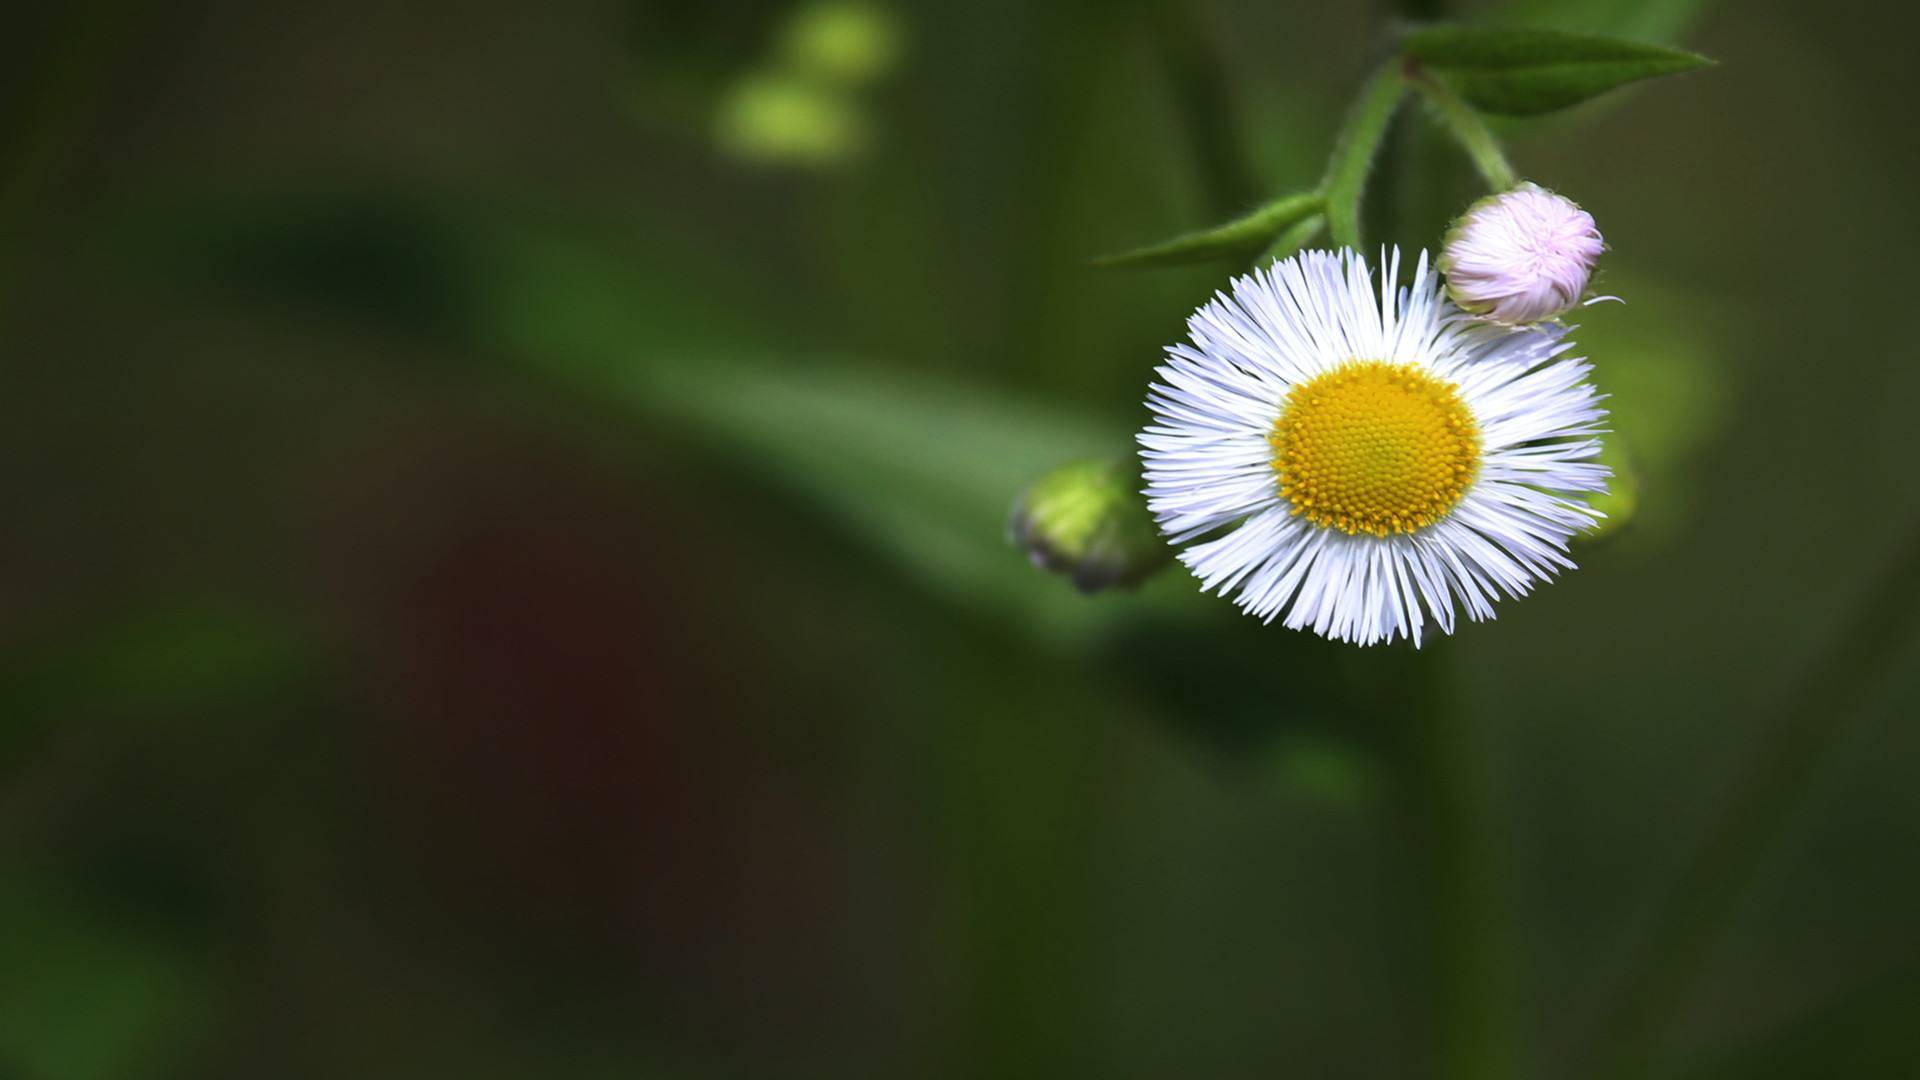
[1294, 237]
[1446, 789]
[1756, 811]
[1445, 822]
[1353, 152]
[1470, 131]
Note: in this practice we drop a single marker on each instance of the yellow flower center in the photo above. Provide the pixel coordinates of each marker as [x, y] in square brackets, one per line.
[1375, 448]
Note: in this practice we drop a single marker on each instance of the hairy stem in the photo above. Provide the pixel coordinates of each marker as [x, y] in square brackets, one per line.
[1471, 132]
[1294, 237]
[1353, 152]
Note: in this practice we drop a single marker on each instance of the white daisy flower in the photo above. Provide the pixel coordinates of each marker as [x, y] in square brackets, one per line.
[1361, 457]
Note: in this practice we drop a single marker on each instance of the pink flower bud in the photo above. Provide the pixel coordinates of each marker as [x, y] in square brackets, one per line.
[1521, 257]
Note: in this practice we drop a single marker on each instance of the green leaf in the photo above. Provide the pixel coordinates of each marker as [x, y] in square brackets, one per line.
[1241, 237]
[917, 469]
[1515, 72]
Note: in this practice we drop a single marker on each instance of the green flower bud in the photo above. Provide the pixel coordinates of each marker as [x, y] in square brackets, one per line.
[1087, 520]
[781, 120]
[842, 42]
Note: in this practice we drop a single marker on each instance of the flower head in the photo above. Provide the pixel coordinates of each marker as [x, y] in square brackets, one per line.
[1358, 457]
[1086, 520]
[1522, 256]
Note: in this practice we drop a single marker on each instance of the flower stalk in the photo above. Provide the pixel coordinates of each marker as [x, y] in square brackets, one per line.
[1470, 131]
[1353, 153]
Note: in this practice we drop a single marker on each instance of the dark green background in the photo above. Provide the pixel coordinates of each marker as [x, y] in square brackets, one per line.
[502, 580]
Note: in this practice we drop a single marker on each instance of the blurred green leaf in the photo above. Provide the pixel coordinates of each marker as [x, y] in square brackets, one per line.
[925, 468]
[1520, 72]
[83, 996]
[173, 657]
[920, 468]
[176, 659]
[1241, 237]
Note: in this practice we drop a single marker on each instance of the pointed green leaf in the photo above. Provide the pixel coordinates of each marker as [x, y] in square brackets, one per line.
[1240, 237]
[1515, 72]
